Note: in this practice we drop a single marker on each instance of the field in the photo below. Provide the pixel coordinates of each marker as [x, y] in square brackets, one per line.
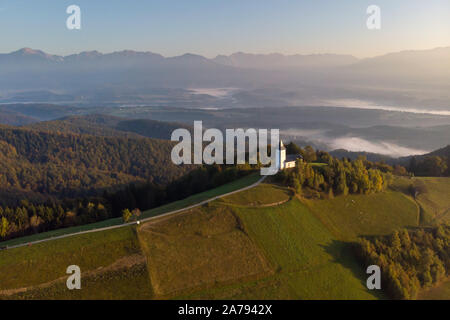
[39, 271]
[357, 215]
[204, 247]
[433, 198]
[309, 262]
[436, 200]
[262, 195]
[262, 243]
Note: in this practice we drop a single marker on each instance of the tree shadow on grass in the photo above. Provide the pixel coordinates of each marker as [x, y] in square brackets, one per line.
[344, 253]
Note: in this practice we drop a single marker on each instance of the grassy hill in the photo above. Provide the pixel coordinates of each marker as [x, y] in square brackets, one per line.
[111, 262]
[357, 215]
[307, 261]
[432, 197]
[435, 201]
[262, 243]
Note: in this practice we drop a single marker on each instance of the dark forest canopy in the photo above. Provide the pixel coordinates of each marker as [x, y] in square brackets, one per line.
[28, 218]
[110, 126]
[71, 165]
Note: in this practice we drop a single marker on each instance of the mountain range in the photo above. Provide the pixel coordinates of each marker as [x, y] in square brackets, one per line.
[421, 60]
[407, 78]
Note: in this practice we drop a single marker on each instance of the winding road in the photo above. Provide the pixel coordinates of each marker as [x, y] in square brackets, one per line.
[170, 213]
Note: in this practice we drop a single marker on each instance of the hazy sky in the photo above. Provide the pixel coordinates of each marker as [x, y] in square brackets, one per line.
[211, 27]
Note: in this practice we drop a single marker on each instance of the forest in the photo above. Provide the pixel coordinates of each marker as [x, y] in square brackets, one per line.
[29, 218]
[409, 260]
[430, 166]
[42, 165]
[320, 172]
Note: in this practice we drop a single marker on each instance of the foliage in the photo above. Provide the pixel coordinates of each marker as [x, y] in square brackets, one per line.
[341, 177]
[409, 260]
[432, 166]
[71, 165]
[29, 218]
[126, 215]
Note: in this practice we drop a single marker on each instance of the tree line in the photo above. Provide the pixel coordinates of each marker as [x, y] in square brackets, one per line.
[320, 172]
[29, 218]
[410, 260]
[431, 166]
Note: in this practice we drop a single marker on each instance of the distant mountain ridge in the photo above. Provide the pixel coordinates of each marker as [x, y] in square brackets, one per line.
[110, 126]
[419, 79]
[238, 59]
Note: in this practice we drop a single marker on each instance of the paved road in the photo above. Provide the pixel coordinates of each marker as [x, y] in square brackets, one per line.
[142, 220]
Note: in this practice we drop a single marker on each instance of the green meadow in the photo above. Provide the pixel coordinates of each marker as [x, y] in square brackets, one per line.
[308, 261]
[261, 243]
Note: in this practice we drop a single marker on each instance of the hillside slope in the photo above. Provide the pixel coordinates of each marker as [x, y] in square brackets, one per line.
[69, 165]
[273, 247]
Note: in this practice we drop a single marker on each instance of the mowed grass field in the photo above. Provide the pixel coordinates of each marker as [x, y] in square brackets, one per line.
[233, 248]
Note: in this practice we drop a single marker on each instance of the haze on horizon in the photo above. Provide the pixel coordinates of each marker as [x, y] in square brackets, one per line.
[211, 28]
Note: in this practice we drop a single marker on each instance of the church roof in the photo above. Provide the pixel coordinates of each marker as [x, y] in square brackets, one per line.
[282, 147]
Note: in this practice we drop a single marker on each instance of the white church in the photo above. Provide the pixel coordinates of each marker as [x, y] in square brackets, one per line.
[283, 161]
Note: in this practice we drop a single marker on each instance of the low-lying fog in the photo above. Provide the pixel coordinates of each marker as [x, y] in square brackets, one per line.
[352, 143]
[359, 104]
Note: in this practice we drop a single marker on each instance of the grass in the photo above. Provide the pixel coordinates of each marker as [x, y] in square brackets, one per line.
[226, 249]
[237, 184]
[263, 194]
[202, 248]
[434, 200]
[130, 283]
[440, 292]
[199, 197]
[45, 262]
[357, 215]
[309, 262]
[318, 164]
